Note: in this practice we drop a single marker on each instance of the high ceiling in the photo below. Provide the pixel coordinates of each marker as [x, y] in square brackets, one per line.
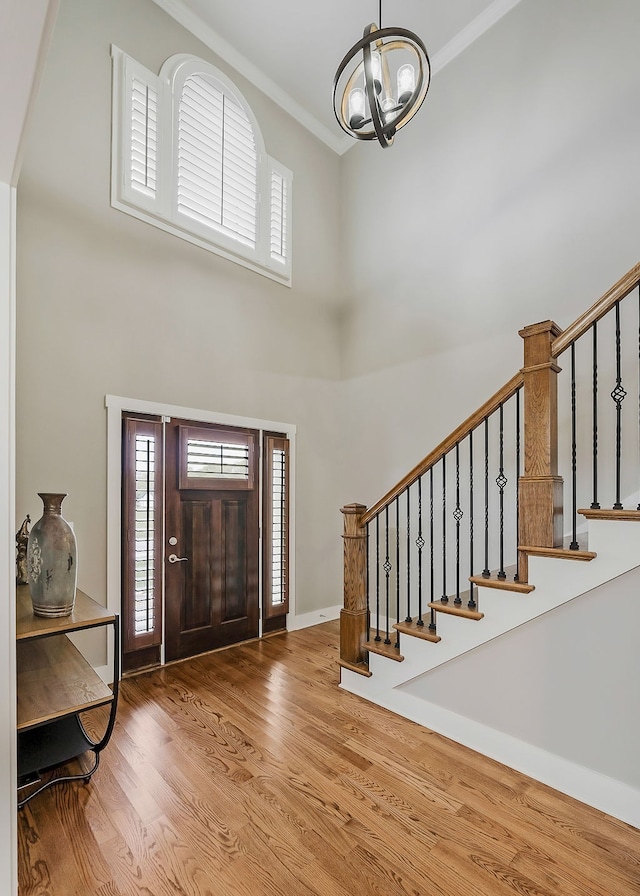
[291, 48]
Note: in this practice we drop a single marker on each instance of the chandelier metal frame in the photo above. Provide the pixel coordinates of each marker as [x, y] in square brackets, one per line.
[384, 123]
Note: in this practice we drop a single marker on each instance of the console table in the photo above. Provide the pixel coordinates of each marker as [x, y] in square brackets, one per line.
[55, 684]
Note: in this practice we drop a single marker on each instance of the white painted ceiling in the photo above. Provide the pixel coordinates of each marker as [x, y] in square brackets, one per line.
[291, 48]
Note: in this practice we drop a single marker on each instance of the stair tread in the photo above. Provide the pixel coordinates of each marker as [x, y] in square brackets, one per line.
[506, 584]
[417, 631]
[604, 514]
[388, 650]
[453, 610]
[563, 553]
[360, 668]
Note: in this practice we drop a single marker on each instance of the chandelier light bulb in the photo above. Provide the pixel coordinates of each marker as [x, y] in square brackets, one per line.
[356, 108]
[406, 83]
[376, 69]
[388, 106]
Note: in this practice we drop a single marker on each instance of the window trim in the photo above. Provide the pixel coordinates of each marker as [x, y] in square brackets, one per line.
[161, 210]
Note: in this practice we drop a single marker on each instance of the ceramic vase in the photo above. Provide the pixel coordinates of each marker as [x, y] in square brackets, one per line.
[51, 561]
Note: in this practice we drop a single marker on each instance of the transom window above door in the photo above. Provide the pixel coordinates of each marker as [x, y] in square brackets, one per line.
[215, 462]
[188, 156]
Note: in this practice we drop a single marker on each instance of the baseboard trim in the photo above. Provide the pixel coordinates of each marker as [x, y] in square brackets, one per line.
[586, 785]
[305, 620]
[294, 624]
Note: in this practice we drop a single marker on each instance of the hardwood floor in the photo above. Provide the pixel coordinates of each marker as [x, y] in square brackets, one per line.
[249, 773]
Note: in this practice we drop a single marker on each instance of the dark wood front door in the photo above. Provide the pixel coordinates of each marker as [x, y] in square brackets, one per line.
[211, 537]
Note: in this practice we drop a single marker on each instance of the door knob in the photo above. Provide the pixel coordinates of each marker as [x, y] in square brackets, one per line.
[172, 558]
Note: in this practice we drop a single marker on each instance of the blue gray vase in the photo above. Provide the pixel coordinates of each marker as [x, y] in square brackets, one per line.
[51, 561]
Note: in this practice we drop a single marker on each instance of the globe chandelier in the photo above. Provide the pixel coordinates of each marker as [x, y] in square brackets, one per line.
[381, 83]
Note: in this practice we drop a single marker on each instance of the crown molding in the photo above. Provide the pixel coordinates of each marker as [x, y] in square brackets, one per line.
[471, 32]
[222, 48]
[338, 142]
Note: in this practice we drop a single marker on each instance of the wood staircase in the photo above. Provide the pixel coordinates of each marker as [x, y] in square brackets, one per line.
[540, 511]
[551, 568]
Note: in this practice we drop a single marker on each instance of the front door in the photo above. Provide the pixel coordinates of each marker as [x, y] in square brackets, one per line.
[211, 537]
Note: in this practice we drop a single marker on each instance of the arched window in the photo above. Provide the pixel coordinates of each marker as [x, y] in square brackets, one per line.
[188, 156]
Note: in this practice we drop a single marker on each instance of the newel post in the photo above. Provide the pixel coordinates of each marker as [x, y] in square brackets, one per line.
[540, 516]
[354, 622]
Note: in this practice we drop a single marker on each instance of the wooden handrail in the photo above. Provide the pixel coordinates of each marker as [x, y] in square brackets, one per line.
[580, 326]
[540, 487]
[502, 395]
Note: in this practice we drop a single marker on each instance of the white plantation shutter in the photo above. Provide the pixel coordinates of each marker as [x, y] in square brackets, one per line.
[188, 157]
[139, 100]
[276, 525]
[143, 137]
[217, 160]
[278, 235]
[145, 534]
[142, 535]
[212, 459]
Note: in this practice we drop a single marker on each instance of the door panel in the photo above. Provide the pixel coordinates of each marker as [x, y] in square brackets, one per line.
[211, 594]
[197, 524]
[234, 565]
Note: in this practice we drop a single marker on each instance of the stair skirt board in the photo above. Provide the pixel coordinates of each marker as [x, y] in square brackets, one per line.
[557, 582]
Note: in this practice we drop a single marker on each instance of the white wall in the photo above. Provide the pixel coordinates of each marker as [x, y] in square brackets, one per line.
[509, 198]
[569, 678]
[400, 413]
[107, 304]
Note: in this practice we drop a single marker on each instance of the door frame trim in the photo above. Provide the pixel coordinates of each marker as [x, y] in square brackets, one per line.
[116, 405]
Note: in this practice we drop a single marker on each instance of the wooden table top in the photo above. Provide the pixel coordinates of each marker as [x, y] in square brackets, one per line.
[86, 614]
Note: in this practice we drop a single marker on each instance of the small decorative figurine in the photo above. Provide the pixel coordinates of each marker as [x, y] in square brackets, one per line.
[22, 539]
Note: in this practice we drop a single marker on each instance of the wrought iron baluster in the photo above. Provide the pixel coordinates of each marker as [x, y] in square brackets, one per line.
[367, 586]
[486, 572]
[432, 617]
[574, 546]
[387, 569]
[457, 515]
[594, 503]
[420, 546]
[377, 637]
[397, 644]
[516, 577]
[618, 394]
[501, 482]
[472, 600]
[408, 617]
[444, 598]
